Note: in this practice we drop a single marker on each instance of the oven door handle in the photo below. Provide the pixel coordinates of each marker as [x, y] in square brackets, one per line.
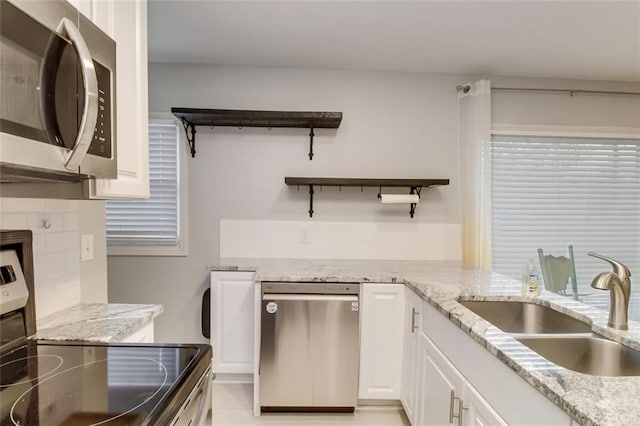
[90, 84]
[311, 297]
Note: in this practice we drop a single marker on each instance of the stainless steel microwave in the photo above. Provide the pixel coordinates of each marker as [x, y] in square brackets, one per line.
[57, 94]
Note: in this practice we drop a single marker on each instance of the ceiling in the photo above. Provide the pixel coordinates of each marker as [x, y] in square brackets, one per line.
[596, 40]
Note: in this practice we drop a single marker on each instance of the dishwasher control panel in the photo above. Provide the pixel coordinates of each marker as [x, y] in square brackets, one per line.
[310, 288]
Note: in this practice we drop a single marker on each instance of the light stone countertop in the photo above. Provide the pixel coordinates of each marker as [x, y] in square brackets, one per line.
[96, 322]
[590, 400]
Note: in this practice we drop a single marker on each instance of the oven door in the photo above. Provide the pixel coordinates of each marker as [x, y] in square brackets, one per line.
[51, 96]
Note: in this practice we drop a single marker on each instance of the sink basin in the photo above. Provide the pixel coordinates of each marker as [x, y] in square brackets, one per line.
[523, 317]
[587, 354]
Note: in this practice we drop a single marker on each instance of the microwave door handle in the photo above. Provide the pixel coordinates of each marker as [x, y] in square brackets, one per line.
[90, 83]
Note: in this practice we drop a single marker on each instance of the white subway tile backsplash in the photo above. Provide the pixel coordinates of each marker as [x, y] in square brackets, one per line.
[346, 240]
[61, 205]
[71, 260]
[20, 205]
[70, 221]
[62, 241]
[56, 249]
[50, 263]
[39, 245]
[57, 222]
[13, 221]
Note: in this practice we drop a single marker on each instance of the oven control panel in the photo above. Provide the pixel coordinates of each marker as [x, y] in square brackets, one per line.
[13, 286]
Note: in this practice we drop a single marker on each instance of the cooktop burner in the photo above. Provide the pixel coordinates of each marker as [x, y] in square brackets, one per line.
[45, 365]
[93, 384]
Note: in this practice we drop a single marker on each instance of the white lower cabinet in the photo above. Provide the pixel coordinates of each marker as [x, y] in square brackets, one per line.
[445, 397]
[440, 387]
[477, 411]
[232, 322]
[411, 355]
[492, 393]
[381, 322]
[448, 379]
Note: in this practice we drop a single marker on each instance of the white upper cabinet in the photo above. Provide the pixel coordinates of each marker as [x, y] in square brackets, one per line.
[100, 12]
[126, 22]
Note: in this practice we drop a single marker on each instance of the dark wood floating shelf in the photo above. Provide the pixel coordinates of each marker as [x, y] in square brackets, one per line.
[192, 117]
[414, 185]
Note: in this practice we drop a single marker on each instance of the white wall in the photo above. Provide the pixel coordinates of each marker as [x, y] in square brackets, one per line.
[61, 280]
[394, 125]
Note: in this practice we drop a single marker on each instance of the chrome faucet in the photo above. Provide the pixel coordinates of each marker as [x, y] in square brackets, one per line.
[618, 283]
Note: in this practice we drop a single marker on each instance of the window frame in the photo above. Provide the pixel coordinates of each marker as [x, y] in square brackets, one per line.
[182, 248]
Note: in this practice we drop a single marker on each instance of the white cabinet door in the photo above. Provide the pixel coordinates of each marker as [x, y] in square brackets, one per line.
[232, 316]
[477, 411]
[381, 307]
[488, 381]
[411, 354]
[132, 118]
[100, 12]
[103, 15]
[441, 388]
[84, 6]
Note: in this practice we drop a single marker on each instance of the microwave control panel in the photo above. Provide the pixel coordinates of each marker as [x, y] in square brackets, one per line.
[102, 135]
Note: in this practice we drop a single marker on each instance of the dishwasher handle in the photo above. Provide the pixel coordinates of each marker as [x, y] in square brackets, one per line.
[311, 297]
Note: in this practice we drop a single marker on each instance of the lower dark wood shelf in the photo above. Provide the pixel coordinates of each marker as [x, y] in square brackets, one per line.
[408, 182]
[414, 185]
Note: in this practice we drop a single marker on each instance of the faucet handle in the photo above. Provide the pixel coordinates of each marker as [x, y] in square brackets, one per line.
[619, 268]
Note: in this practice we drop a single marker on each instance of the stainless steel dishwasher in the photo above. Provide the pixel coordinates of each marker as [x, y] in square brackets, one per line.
[309, 351]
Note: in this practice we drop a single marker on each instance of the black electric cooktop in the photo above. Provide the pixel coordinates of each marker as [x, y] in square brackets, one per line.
[53, 383]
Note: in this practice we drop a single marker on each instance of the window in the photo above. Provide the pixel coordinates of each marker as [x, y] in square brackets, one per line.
[154, 226]
[548, 192]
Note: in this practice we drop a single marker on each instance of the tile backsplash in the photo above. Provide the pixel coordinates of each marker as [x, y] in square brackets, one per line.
[340, 240]
[56, 248]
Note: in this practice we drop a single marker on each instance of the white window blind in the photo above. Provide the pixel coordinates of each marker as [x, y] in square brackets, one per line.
[551, 192]
[154, 222]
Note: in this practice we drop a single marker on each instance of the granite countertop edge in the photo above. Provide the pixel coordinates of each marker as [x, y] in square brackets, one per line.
[96, 322]
[589, 400]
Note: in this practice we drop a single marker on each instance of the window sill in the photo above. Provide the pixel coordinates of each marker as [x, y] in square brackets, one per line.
[147, 251]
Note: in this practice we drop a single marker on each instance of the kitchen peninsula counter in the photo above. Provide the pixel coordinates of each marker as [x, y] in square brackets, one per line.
[96, 322]
[589, 400]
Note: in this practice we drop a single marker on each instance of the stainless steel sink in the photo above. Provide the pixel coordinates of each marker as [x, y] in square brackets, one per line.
[587, 354]
[522, 317]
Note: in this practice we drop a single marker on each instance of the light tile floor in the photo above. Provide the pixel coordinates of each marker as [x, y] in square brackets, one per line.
[233, 406]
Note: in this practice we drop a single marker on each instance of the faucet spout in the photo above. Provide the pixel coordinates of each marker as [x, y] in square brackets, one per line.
[619, 285]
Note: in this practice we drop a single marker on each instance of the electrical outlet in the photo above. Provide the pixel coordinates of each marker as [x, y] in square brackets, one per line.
[304, 236]
[86, 247]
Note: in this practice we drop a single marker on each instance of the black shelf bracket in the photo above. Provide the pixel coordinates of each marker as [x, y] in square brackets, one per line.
[188, 127]
[412, 207]
[311, 143]
[311, 191]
